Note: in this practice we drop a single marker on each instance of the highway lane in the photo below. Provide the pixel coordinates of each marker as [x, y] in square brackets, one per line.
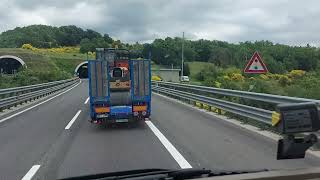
[25, 138]
[100, 149]
[39, 137]
[203, 140]
[44, 144]
[208, 142]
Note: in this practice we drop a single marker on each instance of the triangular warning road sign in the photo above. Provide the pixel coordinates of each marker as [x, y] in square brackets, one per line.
[256, 65]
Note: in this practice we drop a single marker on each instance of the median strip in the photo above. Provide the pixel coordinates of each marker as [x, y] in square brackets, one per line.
[183, 163]
[31, 172]
[73, 120]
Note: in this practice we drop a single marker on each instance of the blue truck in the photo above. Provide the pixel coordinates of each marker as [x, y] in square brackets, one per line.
[119, 87]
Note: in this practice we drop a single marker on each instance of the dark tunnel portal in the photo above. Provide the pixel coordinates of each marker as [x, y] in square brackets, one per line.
[9, 65]
[83, 71]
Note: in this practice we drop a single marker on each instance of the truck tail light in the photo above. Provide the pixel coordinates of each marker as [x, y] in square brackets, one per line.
[139, 108]
[102, 109]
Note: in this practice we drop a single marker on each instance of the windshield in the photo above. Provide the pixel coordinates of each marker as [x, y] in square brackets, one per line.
[90, 87]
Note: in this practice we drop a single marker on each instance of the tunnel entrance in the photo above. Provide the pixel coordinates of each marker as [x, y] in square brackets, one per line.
[82, 70]
[10, 64]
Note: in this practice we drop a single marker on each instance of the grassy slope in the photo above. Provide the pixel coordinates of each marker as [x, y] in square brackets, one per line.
[197, 66]
[34, 61]
[43, 66]
[67, 61]
[44, 60]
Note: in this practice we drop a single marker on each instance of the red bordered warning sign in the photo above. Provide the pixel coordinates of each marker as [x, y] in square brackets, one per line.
[256, 65]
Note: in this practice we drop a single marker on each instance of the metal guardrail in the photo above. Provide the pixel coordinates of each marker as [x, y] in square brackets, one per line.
[270, 98]
[13, 96]
[202, 94]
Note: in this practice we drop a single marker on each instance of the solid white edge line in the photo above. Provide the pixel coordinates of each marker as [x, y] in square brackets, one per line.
[254, 129]
[13, 115]
[31, 172]
[73, 120]
[87, 100]
[183, 163]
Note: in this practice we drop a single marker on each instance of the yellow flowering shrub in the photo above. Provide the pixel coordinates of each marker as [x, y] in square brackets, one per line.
[63, 50]
[284, 80]
[275, 76]
[27, 46]
[296, 73]
[156, 78]
[264, 77]
[237, 77]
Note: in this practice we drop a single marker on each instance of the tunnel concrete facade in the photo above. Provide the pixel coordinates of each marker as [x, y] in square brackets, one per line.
[82, 70]
[9, 64]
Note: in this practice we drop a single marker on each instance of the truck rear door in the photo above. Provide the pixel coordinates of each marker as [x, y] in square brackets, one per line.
[140, 72]
[98, 85]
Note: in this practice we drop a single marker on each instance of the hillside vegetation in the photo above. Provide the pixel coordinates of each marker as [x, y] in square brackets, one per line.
[294, 70]
[44, 65]
[279, 58]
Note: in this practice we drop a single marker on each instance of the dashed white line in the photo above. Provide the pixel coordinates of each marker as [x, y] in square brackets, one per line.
[183, 163]
[31, 172]
[13, 115]
[87, 100]
[73, 120]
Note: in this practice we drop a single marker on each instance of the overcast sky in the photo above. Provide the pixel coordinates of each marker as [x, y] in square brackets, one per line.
[294, 22]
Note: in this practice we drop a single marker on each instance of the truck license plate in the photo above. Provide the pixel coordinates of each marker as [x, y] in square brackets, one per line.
[122, 120]
[101, 115]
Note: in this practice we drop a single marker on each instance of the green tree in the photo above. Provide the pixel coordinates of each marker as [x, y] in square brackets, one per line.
[86, 45]
[107, 38]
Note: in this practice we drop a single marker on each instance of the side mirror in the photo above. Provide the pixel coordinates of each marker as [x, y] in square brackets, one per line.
[293, 119]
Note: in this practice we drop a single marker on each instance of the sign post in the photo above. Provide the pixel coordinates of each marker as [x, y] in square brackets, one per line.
[256, 65]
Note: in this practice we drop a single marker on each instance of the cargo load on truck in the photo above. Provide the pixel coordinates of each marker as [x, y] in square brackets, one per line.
[119, 87]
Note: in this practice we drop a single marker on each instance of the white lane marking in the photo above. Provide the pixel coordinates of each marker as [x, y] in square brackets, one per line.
[183, 163]
[254, 129]
[73, 120]
[13, 115]
[31, 172]
[86, 100]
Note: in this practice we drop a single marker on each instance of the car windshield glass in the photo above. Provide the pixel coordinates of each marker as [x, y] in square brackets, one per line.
[90, 87]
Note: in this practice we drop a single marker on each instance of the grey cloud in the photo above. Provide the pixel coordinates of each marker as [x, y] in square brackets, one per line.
[281, 21]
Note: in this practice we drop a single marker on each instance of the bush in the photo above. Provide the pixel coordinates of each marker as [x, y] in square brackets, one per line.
[27, 46]
[231, 70]
[156, 78]
[264, 77]
[284, 80]
[237, 77]
[296, 73]
[200, 76]
[27, 77]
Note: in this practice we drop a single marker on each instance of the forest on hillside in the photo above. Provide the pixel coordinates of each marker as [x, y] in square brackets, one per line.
[279, 58]
[293, 70]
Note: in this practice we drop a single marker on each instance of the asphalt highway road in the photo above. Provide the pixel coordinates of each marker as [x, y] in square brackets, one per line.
[55, 140]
